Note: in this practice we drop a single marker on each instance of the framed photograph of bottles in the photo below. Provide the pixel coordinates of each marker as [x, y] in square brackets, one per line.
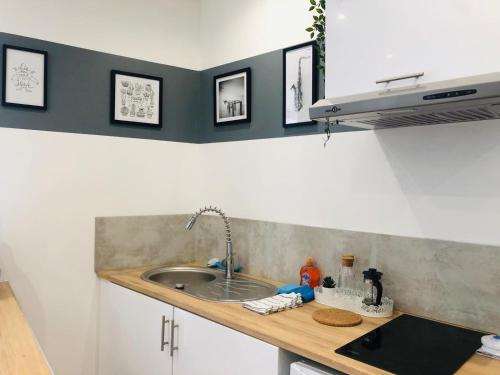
[300, 83]
[136, 99]
[232, 97]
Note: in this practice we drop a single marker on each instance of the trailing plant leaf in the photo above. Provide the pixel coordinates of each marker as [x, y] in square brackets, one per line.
[317, 29]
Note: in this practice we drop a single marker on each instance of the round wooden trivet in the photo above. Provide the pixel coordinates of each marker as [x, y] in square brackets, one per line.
[337, 317]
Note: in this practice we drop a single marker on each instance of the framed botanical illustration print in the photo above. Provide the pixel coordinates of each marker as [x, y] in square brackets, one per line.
[136, 99]
[300, 83]
[24, 77]
[232, 97]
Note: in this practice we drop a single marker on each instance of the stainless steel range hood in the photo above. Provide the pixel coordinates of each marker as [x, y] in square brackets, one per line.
[457, 100]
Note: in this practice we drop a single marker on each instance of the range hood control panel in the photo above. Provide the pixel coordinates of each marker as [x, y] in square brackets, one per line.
[450, 94]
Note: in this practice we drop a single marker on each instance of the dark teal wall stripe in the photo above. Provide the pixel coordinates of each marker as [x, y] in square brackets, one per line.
[79, 97]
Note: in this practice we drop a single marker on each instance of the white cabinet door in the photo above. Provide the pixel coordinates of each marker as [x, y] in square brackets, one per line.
[371, 40]
[130, 333]
[208, 348]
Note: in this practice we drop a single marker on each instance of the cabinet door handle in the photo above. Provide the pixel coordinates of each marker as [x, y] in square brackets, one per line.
[164, 322]
[173, 326]
[399, 78]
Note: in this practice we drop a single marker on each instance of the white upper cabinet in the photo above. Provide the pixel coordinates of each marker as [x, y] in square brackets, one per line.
[368, 40]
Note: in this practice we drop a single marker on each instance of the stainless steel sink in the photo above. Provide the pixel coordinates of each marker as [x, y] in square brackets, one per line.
[209, 284]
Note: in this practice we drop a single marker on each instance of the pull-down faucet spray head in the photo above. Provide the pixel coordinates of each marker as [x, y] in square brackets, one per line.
[190, 223]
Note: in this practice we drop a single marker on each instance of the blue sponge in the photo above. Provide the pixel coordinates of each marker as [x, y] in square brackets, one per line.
[305, 291]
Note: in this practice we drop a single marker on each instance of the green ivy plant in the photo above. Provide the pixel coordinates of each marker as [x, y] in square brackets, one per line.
[317, 30]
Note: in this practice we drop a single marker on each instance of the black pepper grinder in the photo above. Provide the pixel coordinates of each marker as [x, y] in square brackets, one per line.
[371, 277]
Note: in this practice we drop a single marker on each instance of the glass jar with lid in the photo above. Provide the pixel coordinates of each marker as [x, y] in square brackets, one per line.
[346, 274]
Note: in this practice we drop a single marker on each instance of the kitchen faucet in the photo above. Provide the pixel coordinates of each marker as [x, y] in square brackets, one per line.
[229, 269]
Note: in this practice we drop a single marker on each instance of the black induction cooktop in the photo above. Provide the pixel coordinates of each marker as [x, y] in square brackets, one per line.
[409, 345]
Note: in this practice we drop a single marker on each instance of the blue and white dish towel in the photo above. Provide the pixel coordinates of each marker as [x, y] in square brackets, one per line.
[274, 304]
[491, 346]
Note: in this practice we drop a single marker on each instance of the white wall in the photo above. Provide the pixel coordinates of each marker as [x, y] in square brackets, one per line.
[234, 30]
[194, 34]
[162, 31]
[432, 182]
[52, 186]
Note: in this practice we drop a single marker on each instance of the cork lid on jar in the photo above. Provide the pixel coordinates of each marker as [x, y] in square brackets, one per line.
[347, 260]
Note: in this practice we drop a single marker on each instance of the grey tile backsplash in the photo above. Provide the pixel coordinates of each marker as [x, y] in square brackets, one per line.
[444, 280]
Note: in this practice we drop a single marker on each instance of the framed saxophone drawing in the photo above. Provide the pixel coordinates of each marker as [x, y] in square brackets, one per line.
[232, 97]
[300, 83]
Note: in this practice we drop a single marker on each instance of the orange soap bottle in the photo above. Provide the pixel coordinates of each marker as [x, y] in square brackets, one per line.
[310, 274]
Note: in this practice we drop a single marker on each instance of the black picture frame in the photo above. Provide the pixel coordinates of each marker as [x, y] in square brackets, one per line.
[113, 118]
[248, 93]
[6, 103]
[314, 75]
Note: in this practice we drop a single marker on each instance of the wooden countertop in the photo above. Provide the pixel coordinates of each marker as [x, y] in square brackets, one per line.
[19, 352]
[292, 330]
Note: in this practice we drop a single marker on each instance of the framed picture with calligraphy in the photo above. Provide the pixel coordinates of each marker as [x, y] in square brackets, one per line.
[24, 77]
